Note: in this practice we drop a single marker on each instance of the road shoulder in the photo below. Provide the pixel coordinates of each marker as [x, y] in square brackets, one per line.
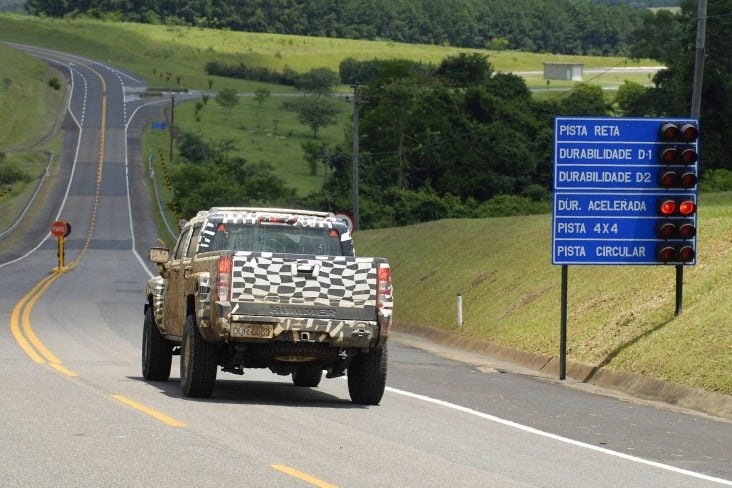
[490, 356]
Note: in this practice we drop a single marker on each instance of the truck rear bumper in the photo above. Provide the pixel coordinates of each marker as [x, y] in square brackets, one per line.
[338, 333]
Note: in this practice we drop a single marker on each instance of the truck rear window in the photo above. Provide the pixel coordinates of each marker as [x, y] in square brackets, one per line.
[274, 238]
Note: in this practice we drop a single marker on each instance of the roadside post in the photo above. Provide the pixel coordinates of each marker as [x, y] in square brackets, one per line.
[625, 193]
[60, 230]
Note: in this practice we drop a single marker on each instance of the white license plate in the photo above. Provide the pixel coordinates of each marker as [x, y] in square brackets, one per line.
[253, 331]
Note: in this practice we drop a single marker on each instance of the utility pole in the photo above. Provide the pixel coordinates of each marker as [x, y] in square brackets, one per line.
[356, 108]
[172, 125]
[701, 32]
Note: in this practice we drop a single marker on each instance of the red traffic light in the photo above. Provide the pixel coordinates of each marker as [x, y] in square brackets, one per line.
[675, 253]
[677, 155]
[665, 230]
[685, 253]
[669, 131]
[677, 179]
[687, 207]
[688, 156]
[668, 155]
[686, 230]
[665, 253]
[689, 132]
[682, 131]
[668, 206]
[688, 180]
[678, 229]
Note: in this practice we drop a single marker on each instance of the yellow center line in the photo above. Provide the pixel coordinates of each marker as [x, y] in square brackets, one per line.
[27, 325]
[64, 370]
[302, 476]
[149, 411]
[23, 308]
[15, 322]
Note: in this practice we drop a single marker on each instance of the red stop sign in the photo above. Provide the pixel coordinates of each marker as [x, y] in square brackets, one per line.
[58, 228]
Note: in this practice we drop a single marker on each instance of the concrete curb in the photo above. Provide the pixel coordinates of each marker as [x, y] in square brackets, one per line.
[637, 386]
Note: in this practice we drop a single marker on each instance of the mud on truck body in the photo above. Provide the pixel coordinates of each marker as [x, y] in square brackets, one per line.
[268, 288]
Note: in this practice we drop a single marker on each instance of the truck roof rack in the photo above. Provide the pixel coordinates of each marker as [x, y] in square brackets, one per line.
[289, 211]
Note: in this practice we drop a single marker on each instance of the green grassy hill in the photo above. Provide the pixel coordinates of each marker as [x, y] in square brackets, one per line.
[619, 316]
[150, 50]
[34, 108]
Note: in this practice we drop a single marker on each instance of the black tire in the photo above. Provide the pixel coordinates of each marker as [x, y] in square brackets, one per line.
[308, 376]
[157, 351]
[198, 362]
[367, 377]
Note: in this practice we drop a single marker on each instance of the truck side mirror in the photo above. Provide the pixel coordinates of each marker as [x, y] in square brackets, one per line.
[159, 255]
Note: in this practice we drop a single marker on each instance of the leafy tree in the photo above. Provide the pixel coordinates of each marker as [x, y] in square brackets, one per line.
[315, 152]
[465, 69]
[261, 95]
[228, 99]
[584, 99]
[558, 26]
[672, 90]
[317, 82]
[633, 99]
[222, 178]
[313, 112]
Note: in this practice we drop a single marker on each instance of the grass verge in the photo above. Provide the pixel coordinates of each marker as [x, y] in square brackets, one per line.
[621, 317]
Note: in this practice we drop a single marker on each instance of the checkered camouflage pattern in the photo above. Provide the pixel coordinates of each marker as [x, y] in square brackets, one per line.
[155, 289]
[341, 281]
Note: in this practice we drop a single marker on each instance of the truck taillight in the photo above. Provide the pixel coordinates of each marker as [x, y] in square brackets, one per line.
[222, 291]
[383, 285]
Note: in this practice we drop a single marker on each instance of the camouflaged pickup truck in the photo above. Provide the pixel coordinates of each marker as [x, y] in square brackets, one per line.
[268, 288]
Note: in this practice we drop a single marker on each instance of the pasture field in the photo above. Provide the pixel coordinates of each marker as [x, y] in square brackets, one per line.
[151, 50]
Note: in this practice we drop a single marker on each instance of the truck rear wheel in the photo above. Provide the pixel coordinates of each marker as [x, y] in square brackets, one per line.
[307, 376]
[197, 362]
[367, 377]
[157, 351]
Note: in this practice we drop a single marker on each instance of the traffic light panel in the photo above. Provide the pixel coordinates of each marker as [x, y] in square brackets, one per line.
[678, 159]
[678, 155]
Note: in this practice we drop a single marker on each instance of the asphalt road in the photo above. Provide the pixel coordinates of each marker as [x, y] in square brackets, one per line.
[76, 412]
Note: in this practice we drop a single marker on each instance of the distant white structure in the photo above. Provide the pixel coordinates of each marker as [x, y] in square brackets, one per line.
[563, 71]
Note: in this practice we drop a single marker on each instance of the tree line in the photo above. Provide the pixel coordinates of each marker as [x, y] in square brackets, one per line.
[555, 26]
[459, 140]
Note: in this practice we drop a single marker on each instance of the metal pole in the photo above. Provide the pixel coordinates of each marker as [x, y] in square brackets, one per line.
[701, 30]
[60, 254]
[356, 107]
[563, 327]
[679, 289]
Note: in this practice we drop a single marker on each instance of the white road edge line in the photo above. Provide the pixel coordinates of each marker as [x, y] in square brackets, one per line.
[555, 437]
[129, 198]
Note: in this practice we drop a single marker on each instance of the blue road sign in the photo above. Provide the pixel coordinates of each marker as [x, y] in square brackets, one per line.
[607, 187]
[158, 125]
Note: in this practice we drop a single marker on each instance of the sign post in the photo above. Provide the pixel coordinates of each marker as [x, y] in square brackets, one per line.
[60, 229]
[625, 193]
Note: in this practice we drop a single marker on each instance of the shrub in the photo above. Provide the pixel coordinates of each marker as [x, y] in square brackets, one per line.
[716, 180]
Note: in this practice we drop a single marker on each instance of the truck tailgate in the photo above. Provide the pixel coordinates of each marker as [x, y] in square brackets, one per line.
[314, 287]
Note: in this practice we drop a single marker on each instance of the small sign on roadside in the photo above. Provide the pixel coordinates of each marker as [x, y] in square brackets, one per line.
[158, 125]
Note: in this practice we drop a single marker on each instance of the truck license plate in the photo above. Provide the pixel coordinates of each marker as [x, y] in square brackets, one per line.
[255, 331]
